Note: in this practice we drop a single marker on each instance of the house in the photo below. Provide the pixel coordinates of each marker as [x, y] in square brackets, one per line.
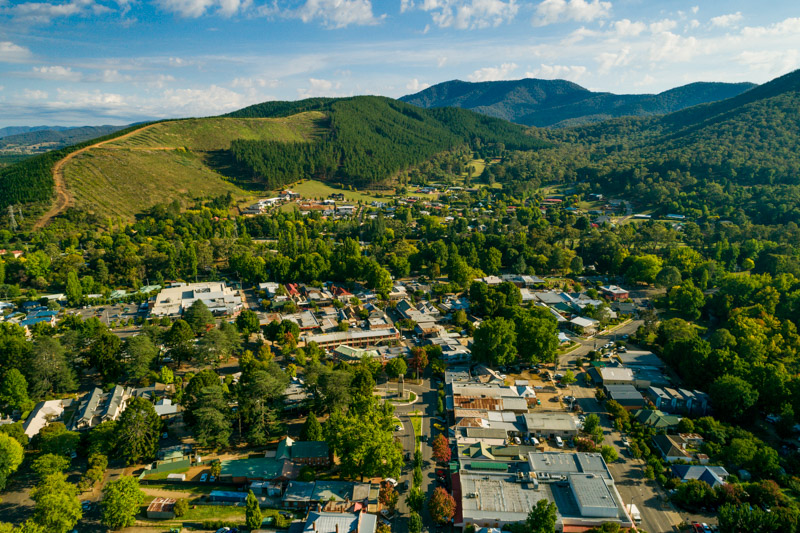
[656, 419]
[166, 409]
[358, 338]
[353, 355]
[584, 326]
[42, 414]
[453, 352]
[270, 288]
[161, 508]
[614, 293]
[257, 469]
[672, 448]
[98, 407]
[305, 495]
[315, 453]
[713, 475]
[613, 375]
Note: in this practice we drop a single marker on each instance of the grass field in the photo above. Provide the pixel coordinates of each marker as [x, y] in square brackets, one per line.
[416, 421]
[317, 189]
[170, 161]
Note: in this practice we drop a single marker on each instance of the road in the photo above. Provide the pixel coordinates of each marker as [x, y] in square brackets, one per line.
[427, 405]
[628, 473]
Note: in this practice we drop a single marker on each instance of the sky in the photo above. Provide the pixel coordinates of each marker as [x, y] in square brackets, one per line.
[92, 62]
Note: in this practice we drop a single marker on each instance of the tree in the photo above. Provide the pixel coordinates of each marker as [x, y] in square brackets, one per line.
[14, 391]
[181, 506]
[104, 355]
[745, 517]
[396, 367]
[419, 359]
[668, 277]
[167, 375]
[495, 342]
[121, 501]
[138, 431]
[10, 457]
[687, 299]
[388, 496]
[536, 334]
[248, 322]
[47, 464]
[138, 352]
[57, 507]
[414, 523]
[609, 454]
[441, 449]
[442, 506]
[569, 378]
[48, 370]
[198, 317]
[56, 439]
[312, 429]
[591, 423]
[179, 340]
[74, 291]
[542, 518]
[643, 268]
[252, 512]
[732, 397]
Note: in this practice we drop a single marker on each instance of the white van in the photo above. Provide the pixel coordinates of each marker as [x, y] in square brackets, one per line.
[559, 442]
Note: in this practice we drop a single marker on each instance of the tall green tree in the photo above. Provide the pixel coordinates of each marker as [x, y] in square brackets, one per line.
[198, 317]
[252, 512]
[10, 457]
[49, 463]
[74, 290]
[248, 322]
[48, 370]
[138, 353]
[495, 342]
[542, 518]
[138, 431]
[14, 391]
[122, 499]
[57, 506]
[732, 397]
[312, 429]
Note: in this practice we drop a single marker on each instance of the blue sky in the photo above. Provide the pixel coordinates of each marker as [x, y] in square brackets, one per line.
[76, 62]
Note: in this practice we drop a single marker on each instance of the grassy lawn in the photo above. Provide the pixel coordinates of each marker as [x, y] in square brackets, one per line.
[411, 398]
[478, 165]
[317, 189]
[416, 421]
[191, 488]
[163, 475]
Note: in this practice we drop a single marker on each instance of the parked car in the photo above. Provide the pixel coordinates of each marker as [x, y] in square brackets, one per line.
[391, 481]
[203, 477]
[212, 479]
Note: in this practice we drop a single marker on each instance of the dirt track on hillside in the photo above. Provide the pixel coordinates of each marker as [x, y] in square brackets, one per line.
[63, 197]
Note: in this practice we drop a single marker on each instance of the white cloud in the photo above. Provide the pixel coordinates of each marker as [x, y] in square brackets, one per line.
[56, 73]
[339, 13]
[502, 72]
[13, 53]
[319, 87]
[406, 5]
[626, 28]
[198, 8]
[558, 72]
[44, 12]
[468, 14]
[790, 26]
[441, 61]
[609, 60]
[415, 86]
[34, 94]
[253, 83]
[644, 82]
[726, 21]
[773, 62]
[670, 47]
[551, 11]
[663, 25]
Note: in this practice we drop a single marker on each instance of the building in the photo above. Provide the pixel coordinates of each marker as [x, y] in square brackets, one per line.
[353, 355]
[614, 293]
[673, 400]
[305, 495]
[713, 475]
[656, 419]
[161, 509]
[358, 338]
[551, 425]
[640, 359]
[315, 453]
[258, 469]
[99, 407]
[453, 352]
[626, 395]
[584, 326]
[327, 522]
[672, 448]
[615, 375]
[218, 297]
[42, 414]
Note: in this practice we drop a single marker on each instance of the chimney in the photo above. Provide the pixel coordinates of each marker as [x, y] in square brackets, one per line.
[337, 528]
[314, 525]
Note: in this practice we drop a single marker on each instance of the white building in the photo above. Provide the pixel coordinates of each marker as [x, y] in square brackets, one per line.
[219, 298]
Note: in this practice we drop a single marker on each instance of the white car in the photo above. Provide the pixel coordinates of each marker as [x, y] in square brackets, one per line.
[391, 481]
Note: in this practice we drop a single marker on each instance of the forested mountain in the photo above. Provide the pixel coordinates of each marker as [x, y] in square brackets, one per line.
[544, 103]
[369, 139]
[16, 130]
[44, 138]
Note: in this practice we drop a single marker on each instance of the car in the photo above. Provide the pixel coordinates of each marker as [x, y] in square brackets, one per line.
[538, 401]
[73, 454]
[391, 481]
[223, 530]
[397, 428]
[438, 426]
[203, 477]
[558, 376]
[86, 505]
[212, 478]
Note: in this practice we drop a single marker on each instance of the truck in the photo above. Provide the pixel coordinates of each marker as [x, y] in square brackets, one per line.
[634, 512]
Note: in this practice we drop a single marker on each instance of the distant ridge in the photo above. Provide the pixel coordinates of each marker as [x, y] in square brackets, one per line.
[554, 103]
[39, 139]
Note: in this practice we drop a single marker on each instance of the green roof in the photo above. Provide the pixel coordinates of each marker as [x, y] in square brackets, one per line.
[310, 448]
[486, 465]
[253, 468]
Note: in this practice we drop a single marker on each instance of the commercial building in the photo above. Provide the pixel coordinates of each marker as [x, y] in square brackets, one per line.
[99, 407]
[358, 338]
[325, 522]
[219, 298]
[551, 425]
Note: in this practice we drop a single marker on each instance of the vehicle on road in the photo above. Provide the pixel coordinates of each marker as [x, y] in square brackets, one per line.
[203, 477]
[398, 428]
[438, 426]
[391, 481]
[559, 442]
[212, 479]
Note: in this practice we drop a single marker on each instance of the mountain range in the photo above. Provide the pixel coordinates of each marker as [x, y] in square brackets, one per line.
[37, 139]
[555, 103]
